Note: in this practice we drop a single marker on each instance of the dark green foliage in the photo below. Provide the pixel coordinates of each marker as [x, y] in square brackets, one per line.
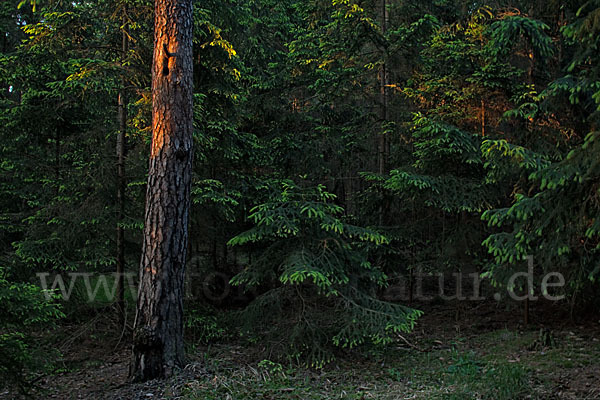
[553, 217]
[321, 282]
[203, 326]
[508, 32]
[59, 146]
[25, 312]
[452, 189]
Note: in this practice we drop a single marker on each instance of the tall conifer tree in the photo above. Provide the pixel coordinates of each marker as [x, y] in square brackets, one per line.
[158, 329]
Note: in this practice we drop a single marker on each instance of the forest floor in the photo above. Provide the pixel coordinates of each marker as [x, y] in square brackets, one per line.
[484, 353]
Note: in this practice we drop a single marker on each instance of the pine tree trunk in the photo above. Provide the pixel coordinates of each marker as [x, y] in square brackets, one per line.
[158, 329]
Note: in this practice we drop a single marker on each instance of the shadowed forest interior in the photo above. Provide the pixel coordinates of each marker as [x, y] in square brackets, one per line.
[300, 199]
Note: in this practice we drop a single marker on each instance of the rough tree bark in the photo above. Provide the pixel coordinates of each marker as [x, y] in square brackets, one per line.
[158, 328]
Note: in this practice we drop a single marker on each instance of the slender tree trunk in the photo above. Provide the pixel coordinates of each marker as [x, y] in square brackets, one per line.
[383, 84]
[121, 182]
[530, 80]
[561, 23]
[57, 160]
[482, 117]
[158, 329]
[383, 145]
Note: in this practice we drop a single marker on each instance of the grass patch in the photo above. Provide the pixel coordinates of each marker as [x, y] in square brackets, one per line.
[450, 373]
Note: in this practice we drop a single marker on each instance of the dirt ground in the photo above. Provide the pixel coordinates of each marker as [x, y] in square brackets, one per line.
[423, 364]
